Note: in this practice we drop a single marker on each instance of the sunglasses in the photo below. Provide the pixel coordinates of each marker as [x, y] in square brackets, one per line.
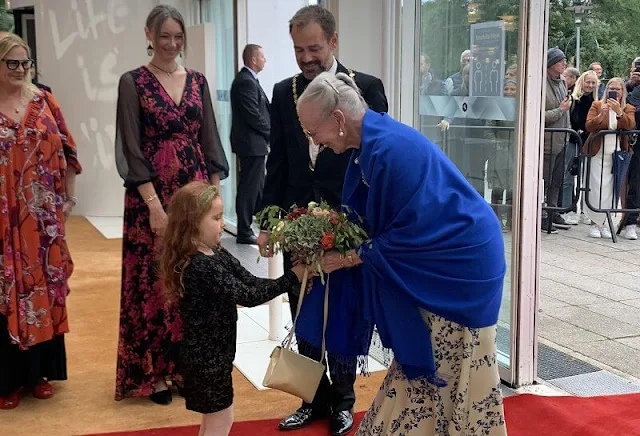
[13, 64]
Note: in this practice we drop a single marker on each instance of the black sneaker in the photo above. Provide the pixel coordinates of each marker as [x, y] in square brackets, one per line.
[559, 222]
[545, 227]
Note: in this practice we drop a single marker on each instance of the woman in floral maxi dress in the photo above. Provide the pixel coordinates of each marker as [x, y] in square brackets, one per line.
[38, 164]
[164, 141]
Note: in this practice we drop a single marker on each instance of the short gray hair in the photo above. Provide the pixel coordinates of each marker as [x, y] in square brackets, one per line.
[331, 92]
[573, 71]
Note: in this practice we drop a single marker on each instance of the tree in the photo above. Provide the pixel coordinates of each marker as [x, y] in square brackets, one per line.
[444, 34]
[6, 19]
[606, 35]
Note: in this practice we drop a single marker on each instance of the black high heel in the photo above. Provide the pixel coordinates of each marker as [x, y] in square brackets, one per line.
[181, 391]
[162, 397]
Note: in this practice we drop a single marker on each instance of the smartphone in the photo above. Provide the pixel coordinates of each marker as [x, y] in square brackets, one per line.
[637, 67]
[613, 95]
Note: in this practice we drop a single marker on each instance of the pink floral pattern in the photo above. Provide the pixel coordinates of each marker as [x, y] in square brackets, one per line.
[150, 330]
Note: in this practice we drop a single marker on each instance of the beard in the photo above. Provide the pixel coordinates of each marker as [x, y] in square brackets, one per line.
[312, 69]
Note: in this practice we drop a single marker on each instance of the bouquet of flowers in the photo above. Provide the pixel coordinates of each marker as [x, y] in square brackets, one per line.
[307, 232]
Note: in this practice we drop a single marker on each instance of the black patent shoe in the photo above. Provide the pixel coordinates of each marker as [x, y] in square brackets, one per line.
[180, 390]
[163, 397]
[299, 419]
[341, 423]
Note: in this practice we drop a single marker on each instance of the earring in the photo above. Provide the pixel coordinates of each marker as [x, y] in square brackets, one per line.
[340, 133]
[149, 50]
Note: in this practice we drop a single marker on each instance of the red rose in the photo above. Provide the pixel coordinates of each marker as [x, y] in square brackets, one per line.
[328, 240]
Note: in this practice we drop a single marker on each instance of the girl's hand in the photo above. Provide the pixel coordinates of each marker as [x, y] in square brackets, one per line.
[299, 270]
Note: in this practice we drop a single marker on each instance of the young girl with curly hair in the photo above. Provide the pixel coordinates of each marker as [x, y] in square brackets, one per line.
[207, 283]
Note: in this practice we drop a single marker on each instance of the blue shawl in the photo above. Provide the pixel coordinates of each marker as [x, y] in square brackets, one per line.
[435, 245]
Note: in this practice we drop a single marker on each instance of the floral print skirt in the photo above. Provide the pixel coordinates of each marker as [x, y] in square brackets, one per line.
[470, 404]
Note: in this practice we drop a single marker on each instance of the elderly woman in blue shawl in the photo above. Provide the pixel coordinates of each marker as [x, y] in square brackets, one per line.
[430, 278]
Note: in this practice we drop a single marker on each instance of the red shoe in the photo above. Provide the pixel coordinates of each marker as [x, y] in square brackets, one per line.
[43, 390]
[10, 402]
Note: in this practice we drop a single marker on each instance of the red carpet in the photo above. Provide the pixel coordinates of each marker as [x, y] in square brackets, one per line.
[527, 415]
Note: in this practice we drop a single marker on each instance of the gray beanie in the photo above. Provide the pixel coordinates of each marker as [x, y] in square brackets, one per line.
[554, 55]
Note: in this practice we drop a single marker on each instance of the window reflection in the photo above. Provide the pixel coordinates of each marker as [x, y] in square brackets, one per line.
[468, 97]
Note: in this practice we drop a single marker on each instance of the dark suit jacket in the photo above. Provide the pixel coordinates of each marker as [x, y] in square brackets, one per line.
[289, 178]
[250, 118]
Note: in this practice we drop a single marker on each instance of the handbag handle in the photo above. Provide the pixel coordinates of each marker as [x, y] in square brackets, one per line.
[303, 287]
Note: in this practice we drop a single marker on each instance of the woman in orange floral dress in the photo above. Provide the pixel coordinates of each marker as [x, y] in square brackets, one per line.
[38, 164]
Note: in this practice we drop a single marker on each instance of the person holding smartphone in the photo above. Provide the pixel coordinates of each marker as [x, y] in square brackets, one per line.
[612, 112]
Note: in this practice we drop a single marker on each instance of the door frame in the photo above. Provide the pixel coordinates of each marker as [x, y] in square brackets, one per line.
[527, 201]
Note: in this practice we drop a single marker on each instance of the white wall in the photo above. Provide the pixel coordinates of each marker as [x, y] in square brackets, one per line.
[15, 4]
[368, 37]
[266, 23]
[83, 48]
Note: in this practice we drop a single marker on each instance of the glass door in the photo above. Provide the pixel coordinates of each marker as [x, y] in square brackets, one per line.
[222, 14]
[469, 60]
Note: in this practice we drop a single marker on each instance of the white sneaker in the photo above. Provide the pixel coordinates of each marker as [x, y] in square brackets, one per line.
[629, 232]
[605, 232]
[571, 218]
[584, 219]
[594, 231]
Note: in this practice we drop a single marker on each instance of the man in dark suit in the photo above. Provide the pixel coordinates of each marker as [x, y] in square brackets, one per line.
[250, 131]
[297, 174]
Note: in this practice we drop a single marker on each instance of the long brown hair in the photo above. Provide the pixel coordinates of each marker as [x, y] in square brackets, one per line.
[186, 210]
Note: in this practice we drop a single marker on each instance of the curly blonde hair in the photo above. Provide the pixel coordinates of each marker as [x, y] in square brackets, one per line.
[186, 210]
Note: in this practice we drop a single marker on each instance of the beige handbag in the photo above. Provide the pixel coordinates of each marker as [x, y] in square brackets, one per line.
[292, 372]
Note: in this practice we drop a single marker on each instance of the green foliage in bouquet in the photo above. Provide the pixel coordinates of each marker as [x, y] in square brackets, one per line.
[308, 232]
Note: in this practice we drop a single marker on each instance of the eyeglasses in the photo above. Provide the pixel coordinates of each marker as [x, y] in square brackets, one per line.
[13, 64]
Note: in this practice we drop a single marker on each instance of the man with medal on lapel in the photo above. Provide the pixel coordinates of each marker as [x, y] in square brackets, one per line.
[299, 171]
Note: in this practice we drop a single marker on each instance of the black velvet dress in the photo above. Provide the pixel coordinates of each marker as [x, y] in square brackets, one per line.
[213, 286]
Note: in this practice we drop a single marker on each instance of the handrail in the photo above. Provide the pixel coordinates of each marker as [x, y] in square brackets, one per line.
[586, 188]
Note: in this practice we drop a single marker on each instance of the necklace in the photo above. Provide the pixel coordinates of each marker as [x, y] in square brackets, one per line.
[168, 73]
[294, 88]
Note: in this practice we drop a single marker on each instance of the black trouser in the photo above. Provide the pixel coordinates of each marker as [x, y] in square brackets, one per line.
[552, 187]
[633, 183]
[249, 195]
[337, 395]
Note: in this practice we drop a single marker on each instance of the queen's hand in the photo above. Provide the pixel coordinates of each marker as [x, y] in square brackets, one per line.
[333, 260]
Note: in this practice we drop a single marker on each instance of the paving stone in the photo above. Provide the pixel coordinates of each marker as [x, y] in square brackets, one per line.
[564, 333]
[607, 290]
[626, 257]
[561, 275]
[579, 244]
[612, 353]
[547, 302]
[628, 280]
[573, 264]
[633, 342]
[635, 302]
[568, 294]
[594, 322]
[618, 311]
